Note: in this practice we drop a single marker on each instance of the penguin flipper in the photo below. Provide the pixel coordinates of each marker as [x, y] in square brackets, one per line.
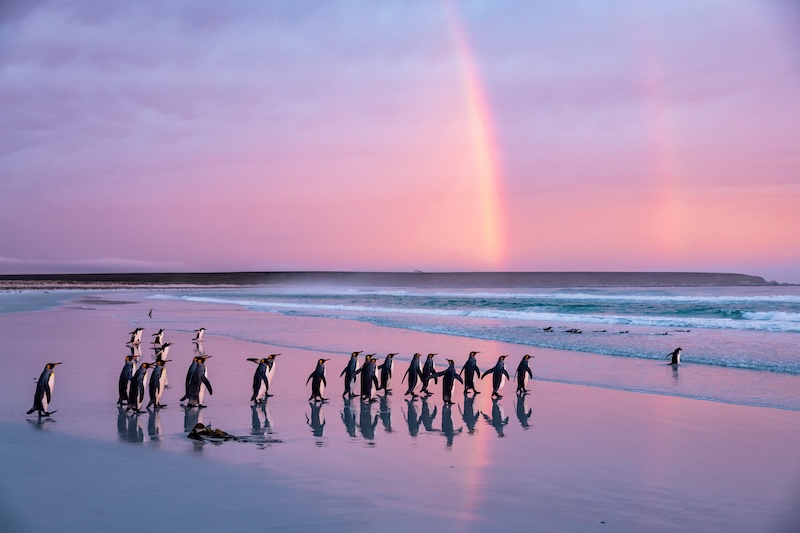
[208, 385]
[506, 374]
[324, 381]
[309, 378]
[343, 371]
[404, 377]
[32, 410]
[530, 374]
[47, 390]
[486, 373]
[459, 379]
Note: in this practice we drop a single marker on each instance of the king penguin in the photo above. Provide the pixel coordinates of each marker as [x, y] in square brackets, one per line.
[159, 337]
[386, 369]
[369, 381]
[349, 373]
[136, 389]
[414, 374]
[44, 390]
[470, 370]
[198, 335]
[125, 378]
[319, 382]
[260, 380]
[198, 383]
[136, 336]
[429, 373]
[676, 356]
[523, 373]
[158, 382]
[499, 376]
[449, 376]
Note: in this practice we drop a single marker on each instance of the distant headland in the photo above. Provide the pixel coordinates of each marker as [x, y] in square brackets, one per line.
[417, 279]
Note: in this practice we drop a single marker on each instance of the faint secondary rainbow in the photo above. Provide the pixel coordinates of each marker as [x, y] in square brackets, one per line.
[486, 164]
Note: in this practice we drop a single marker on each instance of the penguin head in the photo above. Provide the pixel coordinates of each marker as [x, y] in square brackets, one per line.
[473, 354]
[526, 357]
[129, 358]
[322, 361]
[417, 356]
[51, 366]
[355, 354]
[430, 355]
[272, 356]
[166, 345]
[391, 355]
[451, 362]
[163, 362]
[147, 365]
[502, 357]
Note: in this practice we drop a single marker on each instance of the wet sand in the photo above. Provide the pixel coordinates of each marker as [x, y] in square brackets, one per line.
[563, 458]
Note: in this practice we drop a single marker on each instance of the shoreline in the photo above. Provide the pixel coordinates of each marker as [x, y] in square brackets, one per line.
[573, 458]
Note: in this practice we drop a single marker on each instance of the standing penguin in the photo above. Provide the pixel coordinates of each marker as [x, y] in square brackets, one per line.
[369, 381]
[260, 381]
[159, 337]
[414, 374]
[158, 382]
[349, 374]
[198, 383]
[198, 335]
[499, 376]
[136, 336]
[523, 373]
[163, 350]
[136, 389]
[470, 370]
[386, 368]
[44, 390]
[125, 378]
[319, 383]
[189, 374]
[429, 373]
[676, 356]
[449, 376]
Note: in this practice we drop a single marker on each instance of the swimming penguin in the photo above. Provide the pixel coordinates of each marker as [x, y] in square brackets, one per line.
[158, 382]
[499, 376]
[136, 388]
[198, 383]
[414, 374]
[369, 381]
[349, 373]
[470, 370]
[260, 380]
[386, 368]
[319, 383]
[44, 390]
[159, 337]
[449, 377]
[125, 378]
[198, 335]
[428, 373]
[523, 373]
[676, 356]
[136, 336]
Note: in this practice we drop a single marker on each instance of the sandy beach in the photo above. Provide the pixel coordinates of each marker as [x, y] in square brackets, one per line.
[563, 458]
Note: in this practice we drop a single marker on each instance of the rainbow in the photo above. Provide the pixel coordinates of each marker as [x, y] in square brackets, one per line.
[486, 164]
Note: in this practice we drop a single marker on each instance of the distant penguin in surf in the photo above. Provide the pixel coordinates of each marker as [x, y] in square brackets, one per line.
[136, 388]
[523, 373]
[499, 376]
[349, 373]
[429, 373]
[198, 383]
[158, 382]
[150, 314]
[449, 377]
[125, 378]
[676, 356]
[386, 369]
[260, 380]
[319, 382]
[414, 374]
[159, 337]
[44, 390]
[198, 335]
[470, 370]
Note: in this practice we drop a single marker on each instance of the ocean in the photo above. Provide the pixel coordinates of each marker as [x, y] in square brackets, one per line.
[740, 344]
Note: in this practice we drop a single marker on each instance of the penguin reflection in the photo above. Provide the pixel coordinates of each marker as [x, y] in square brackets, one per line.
[523, 411]
[261, 418]
[386, 414]
[469, 415]
[412, 419]
[135, 429]
[191, 417]
[447, 424]
[154, 429]
[427, 417]
[498, 419]
[317, 420]
[349, 416]
[367, 422]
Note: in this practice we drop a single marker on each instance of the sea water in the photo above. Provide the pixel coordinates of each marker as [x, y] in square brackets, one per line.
[740, 344]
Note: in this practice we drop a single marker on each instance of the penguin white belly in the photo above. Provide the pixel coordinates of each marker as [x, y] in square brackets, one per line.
[502, 382]
[525, 380]
[271, 373]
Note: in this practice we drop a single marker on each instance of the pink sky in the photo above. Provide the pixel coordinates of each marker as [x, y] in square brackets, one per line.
[531, 136]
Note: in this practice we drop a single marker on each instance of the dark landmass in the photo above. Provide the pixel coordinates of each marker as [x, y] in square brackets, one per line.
[489, 280]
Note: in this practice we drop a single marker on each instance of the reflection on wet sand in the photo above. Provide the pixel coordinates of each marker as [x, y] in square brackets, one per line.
[469, 415]
[498, 420]
[367, 421]
[349, 417]
[523, 411]
[316, 421]
[447, 424]
[154, 429]
[386, 414]
[412, 419]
